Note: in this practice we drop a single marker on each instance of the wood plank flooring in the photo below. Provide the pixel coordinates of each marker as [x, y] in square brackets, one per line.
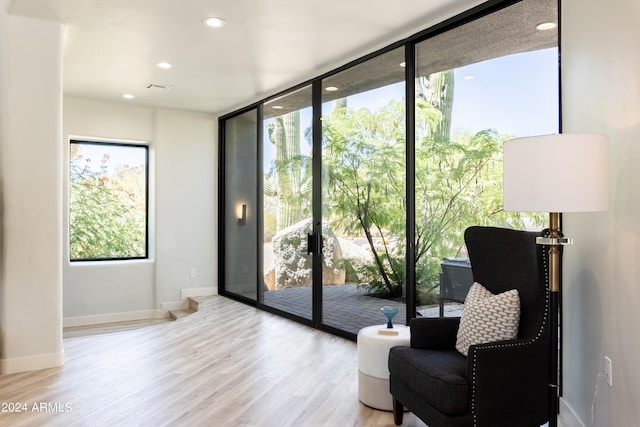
[226, 365]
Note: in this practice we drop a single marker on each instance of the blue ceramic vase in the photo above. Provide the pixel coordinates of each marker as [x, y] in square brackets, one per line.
[389, 312]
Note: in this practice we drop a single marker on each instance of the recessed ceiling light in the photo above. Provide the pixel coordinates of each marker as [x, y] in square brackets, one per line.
[469, 77]
[331, 88]
[163, 65]
[128, 96]
[277, 107]
[546, 26]
[214, 22]
[403, 64]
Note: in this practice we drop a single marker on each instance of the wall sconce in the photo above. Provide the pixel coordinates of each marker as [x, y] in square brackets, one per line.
[242, 214]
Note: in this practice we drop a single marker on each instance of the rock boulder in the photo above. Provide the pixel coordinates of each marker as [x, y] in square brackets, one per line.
[292, 265]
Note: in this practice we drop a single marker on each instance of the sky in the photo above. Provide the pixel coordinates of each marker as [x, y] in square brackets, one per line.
[93, 156]
[516, 95]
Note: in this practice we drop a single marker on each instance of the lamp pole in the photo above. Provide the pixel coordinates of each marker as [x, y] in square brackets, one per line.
[555, 258]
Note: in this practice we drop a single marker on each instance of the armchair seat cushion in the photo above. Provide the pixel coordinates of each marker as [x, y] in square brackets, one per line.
[436, 376]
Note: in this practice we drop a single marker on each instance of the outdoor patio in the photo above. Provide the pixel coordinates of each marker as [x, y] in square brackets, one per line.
[347, 307]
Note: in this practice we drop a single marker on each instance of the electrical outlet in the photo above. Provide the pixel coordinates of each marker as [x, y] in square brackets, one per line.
[608, 371]
[194, 272]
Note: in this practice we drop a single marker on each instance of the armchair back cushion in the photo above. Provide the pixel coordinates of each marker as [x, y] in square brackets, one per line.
[502, 259]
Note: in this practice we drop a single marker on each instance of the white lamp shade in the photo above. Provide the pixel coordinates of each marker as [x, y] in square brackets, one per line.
[556, 173]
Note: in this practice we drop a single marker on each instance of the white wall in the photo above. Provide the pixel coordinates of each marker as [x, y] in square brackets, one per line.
[31, 144]
[106, 288]
[34, 267]
[186, 202]
[183, 190]
[601, 94]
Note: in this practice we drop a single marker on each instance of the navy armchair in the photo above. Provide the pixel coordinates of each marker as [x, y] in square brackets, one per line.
[499, 384]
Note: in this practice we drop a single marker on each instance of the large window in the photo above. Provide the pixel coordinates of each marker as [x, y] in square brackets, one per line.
[372, 172]
[476, 86]
[108, 193]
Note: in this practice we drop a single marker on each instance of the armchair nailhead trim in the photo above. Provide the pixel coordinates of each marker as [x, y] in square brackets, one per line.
[520, 344]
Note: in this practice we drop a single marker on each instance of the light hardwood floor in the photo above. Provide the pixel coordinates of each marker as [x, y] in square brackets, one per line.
[226, 365]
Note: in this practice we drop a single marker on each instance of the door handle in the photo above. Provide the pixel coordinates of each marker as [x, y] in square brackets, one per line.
[314, 243]
[311, 238]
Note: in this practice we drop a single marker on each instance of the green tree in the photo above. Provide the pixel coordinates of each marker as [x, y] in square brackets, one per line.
[107, 211]
[458, 183]
[364, 157]
[458, 180]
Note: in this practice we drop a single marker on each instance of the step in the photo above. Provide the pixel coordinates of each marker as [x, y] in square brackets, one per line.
[179, 314]
[193, 306]
[193, 303]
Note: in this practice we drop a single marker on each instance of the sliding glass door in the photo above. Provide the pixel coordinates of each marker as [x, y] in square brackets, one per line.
[240, 197]
[352, 191]
[363, 187]
[287, 219]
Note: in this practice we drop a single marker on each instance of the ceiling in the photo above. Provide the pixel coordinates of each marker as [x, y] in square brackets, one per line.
[508, 31]
[111, 46]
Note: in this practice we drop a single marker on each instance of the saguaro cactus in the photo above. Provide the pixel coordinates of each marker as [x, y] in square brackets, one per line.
[437, 90]
[290, 169]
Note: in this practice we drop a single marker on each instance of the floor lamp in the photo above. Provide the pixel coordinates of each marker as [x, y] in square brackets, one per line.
[556, 173]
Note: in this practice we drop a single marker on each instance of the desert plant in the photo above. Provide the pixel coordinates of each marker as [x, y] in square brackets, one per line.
[107, 211]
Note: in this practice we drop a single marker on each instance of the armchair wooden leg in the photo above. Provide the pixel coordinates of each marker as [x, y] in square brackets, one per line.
[398, 411]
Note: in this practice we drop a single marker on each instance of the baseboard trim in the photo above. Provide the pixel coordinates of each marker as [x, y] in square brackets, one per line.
[31, 363]
[568, 417]
[128, 316]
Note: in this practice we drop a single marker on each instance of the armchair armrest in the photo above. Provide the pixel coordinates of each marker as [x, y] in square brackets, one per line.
[436, 333]
[508, 378]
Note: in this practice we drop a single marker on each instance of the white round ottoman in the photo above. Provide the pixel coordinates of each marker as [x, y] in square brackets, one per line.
[373, 370]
